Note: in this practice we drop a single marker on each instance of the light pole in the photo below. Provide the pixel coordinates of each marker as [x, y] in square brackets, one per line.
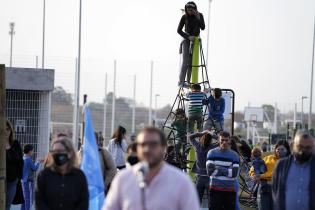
[44, 28]
[311, 88]
[303, 97]
[156, 96]
[208, 32]
[11, 32]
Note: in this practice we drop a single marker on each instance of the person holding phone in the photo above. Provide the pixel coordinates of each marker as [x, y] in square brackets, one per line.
[193, 21]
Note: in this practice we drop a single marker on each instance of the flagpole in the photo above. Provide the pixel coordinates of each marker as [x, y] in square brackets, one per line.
[114, 99]
[76, 107]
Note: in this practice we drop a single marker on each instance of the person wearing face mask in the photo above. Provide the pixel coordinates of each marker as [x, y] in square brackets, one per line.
[293, 183]
[264, 195]
[61, 185]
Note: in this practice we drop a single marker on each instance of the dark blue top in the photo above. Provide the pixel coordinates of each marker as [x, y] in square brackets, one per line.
[259, 166]
[216, 108]
[28, 168]
[199, 166]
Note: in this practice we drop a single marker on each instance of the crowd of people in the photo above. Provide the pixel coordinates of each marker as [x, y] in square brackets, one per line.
[137, 177]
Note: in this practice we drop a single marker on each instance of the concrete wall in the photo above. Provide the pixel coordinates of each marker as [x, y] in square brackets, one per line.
[30, 79]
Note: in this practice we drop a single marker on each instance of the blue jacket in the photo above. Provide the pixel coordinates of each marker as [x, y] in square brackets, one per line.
[28, 167]
[216, 108]
[279, 178]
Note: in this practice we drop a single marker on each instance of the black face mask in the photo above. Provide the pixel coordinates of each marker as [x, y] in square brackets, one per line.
[303, 157]
[60, 158]
[132, 160]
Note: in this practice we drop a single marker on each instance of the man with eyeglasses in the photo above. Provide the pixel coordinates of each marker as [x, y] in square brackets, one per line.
[222, 167]
[293, 182]
[151, 184]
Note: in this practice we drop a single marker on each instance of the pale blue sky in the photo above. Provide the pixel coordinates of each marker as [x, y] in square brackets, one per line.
[260, 48]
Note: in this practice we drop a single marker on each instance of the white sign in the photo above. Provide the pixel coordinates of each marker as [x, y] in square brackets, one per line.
[20, 126]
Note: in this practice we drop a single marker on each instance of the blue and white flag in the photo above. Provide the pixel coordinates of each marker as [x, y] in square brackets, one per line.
[91, 165]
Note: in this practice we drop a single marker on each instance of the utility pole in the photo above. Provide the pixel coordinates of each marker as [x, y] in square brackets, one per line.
[311, 88]
[2, 142]
[151, 92]
[44, 29]
[11, 32]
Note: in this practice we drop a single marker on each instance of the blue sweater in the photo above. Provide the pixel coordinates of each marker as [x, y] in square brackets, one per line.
[222, 167]
[28, 167]
[217, 108]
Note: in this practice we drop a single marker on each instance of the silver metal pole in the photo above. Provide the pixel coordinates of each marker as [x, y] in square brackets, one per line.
[133, 129]
[151, 90]
[76, 108]
[11, 32]
[44, 28]
[294, 115]
[276, 119]
[105, 105]
[311, 91]
[114, 99]
[155, 113]
[208, 32]
[37, 62]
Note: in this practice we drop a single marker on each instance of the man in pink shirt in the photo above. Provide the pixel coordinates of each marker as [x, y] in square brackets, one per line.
[151, 184]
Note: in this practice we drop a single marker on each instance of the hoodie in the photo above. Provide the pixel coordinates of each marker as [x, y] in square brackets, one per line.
[192, 23]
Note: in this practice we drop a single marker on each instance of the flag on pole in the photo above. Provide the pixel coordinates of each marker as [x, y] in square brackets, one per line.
[91, 165]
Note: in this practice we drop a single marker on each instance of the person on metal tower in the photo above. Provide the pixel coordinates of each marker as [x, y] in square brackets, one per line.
[193, 22]
[216, 111]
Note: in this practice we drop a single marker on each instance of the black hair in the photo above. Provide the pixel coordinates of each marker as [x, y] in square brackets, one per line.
[217, 93]
[234, 141]
[225, 134]
[27, 148]
[285, 144]
[190, 4]
[196, 87]
[118, 134]
[150, 129]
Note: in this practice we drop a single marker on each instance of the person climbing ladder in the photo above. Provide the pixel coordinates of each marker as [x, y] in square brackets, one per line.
[193, 22]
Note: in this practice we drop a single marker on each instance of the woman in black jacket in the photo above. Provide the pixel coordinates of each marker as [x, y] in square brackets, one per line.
[14, 164]
[61, 186]
[193, 22]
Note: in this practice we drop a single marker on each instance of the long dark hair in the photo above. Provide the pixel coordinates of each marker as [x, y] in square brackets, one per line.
[234, 140]
[206, 141]
[11, 137]
[119, 134]
[285, 144]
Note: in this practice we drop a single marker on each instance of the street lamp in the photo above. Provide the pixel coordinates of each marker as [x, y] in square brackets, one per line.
[11, 32]
[156, 96]
[302, 112]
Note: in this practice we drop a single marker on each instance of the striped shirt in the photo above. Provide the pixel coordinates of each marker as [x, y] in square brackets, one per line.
[222, 167]
[195, 100]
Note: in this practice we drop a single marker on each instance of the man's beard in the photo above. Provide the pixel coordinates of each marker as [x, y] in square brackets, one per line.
[302, 157]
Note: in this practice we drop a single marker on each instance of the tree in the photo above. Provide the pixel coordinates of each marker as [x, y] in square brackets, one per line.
[61, 97]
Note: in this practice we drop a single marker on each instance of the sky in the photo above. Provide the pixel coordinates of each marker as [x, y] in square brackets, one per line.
[262, 49]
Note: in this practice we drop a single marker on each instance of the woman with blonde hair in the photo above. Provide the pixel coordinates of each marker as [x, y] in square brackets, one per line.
[61, 185]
